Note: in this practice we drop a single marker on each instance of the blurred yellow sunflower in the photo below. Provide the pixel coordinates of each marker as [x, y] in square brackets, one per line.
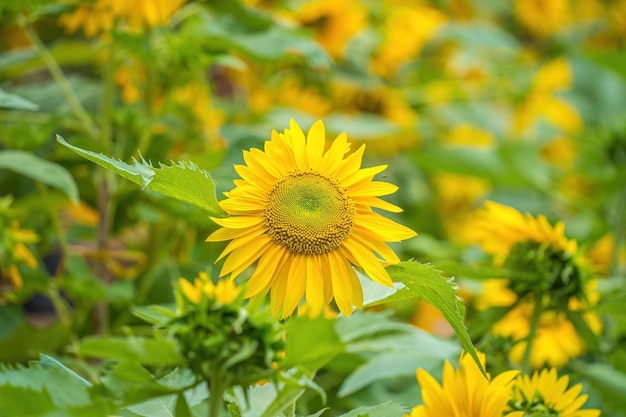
[542, 101]
[306, 216]
[543, 18]
[464, 392]
[100, 16]
[556, 340]
[497, 228]
[544, 393]
[335, 22]
[406, 29]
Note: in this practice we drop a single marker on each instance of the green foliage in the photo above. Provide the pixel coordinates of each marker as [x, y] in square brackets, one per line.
[39, 169]
[381, 410]
[182, 181]
[13, 101]
[425, 282]
[147, 351]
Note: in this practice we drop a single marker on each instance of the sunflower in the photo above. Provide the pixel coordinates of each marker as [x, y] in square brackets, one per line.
[556, 340]
[546, 394]
[305, 217]
[543, 18]
[464, 392]
[224, 292]
[100, 16]
[497, 228]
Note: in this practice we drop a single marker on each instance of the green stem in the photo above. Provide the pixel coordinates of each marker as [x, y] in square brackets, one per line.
[216, 394]
[532, 333]
[61, 80]
[63, 312]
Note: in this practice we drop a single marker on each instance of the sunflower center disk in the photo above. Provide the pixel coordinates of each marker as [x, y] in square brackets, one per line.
[309, 213]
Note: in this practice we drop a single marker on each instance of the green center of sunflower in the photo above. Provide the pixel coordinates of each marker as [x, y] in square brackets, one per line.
[309, 213]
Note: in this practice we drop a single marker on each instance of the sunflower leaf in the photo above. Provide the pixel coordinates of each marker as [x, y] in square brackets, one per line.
[183, 181]
[39, 169]
[425, 282]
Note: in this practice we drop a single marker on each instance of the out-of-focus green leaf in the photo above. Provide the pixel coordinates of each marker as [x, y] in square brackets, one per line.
[64, 389]
[39, 169]
[381, 410]
[154, 314]
[292, 385]
[424, 282]
[141, 349]
[510, 164]
[10, 316]
[182, 181]
[13, 101]
[609, 383]
[182, 408]
[614, 60]
[300, 350]
[272, 43]
[14, 63]
[404, 348]
[24, 401]
[50, 362]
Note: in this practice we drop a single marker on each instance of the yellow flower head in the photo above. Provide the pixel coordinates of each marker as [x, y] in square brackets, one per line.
[497, 228]
[224, 292]
[546, 394]
[335, 22]
[464, 392]
[543, 18]
[100, 16]
[406, 30]
[304, 216]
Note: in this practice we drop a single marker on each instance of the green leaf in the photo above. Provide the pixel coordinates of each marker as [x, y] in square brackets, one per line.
[154, 314]
[39, 169]
[10, 316]
[143, 350]
[403, 351]
[425, 282]
[299, 349]
[64, 389]
[50, 362]
[291, 387]
[183, 181]
[387, 409]
[13, 101]
[274, 42]
[182, 408]
[609, 383]
[18, 401]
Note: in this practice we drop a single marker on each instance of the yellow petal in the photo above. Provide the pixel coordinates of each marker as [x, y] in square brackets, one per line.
[366, 260]
[299, 145]
[316, 139]
[334, 156]
[342, 285]
[314, 285]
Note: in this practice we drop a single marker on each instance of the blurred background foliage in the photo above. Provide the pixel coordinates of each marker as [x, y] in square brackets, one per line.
[522, 102]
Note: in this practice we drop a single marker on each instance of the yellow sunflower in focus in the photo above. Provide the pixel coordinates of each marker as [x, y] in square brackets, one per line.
[304, 215]
[546, 394]
[464, 392]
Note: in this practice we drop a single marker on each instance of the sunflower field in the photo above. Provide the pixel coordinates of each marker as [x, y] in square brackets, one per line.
[291, 208]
